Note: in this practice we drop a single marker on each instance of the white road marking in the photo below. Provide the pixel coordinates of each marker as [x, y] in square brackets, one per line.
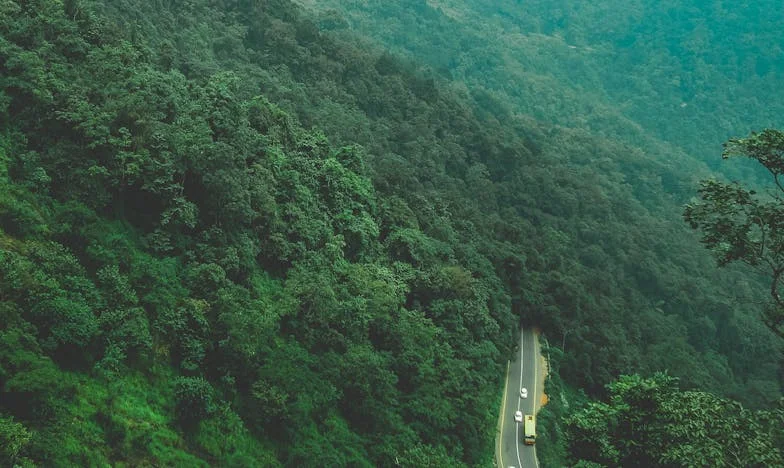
[517, 428]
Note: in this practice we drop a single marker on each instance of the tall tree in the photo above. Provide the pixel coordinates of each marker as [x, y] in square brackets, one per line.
[741, 225]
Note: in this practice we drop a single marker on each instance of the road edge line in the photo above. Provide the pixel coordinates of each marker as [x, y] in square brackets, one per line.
[538, 401]
[499, 456]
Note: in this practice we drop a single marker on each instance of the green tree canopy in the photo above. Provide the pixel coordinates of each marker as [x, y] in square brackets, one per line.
[651, 422]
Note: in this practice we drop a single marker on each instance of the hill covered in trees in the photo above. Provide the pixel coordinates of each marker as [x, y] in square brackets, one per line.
[233, 237]
[674, 78]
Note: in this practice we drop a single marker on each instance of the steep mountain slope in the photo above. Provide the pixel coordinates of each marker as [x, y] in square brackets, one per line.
[201, 266]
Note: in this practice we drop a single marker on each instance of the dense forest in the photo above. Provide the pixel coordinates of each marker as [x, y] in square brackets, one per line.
[245, 233]
[675, 78]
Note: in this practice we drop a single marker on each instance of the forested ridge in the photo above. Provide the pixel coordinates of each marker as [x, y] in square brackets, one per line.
[676, 78]
[230, 237]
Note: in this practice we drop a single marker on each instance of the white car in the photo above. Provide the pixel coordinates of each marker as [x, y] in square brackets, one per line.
[519, 416]
[523, 392]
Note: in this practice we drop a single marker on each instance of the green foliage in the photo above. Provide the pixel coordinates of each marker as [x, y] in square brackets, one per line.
[551, 443]
[650, 422]
[73, 323]
[194, 399]
[223, 437]
[34, 389]
[13, 438]
[426, 456]
[188, 329]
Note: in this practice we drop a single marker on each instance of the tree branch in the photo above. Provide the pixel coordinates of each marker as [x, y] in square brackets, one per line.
[774, 289]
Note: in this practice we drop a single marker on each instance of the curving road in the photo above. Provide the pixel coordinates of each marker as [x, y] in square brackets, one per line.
[523, 371]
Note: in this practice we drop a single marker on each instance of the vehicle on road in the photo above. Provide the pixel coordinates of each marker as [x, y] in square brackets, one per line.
[523, 392]
[519, 416]
[529, 429]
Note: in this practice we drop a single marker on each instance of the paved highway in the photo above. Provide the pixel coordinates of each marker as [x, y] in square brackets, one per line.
[524, 371]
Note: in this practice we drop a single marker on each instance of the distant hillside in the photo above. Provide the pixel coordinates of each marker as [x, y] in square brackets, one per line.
[675, 78]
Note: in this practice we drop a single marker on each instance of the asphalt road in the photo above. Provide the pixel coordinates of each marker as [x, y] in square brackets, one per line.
[524, 371]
